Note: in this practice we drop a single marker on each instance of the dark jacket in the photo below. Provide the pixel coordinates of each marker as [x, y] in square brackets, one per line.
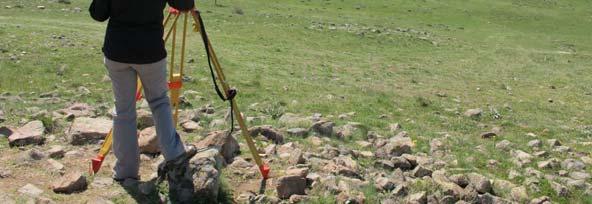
[134, 32]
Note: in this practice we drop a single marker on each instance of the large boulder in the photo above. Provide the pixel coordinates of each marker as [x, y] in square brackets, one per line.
[290, 185]
[396, 146]
[70, 183]
[267, 132]
[223, 142]
[30, 133]
[199, 180]
[89, 130]
[148, 141]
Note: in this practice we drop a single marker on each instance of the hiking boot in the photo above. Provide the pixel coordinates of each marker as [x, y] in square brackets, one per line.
[177, 165]
[180, 183]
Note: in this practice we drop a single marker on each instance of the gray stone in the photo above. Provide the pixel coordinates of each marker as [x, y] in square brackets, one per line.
[268, 132]
[56, 166]
[573, 165]
[70, 183]
[417, 198]
[102, 182]
[535, 143]
[421, 171]
[30, 190]
[396, 146]
[579, 175]
[298, 132]
[519, 194]
[503, 145]
[394, 128]
[148, 141]
[88, 130]
[384, 184]
[400, 190]
[296, 157]
[553, 142]
[324, 128]
[226, 144]
[548, 164]
[30, 133]
[56, 152]
[144, 118]
[191, 126]
[473, 113]
[480, 182]
[401, 163]
[559, 189]
[290, 185]
[78, 110]
[487, 135]
[541, 200]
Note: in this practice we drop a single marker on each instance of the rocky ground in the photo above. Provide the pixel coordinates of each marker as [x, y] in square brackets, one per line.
[44, 160]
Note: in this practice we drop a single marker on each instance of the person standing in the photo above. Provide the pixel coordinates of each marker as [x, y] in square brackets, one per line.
[133, 47]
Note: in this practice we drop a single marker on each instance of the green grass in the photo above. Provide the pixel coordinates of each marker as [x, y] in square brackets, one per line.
[338, 56]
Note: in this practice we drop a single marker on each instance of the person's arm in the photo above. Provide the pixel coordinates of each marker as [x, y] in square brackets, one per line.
[99, 10]
[181, 5]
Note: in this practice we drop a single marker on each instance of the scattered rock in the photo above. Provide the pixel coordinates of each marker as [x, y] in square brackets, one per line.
[56, 166]
[102, 182]
[70, 183]
[480, 182]
[396, 146]
[351, 198]
[144, 118]
[56, 152]
[30, 190]
[519, 194]
[548, 164]
[324, 128]
[417, 198]
[401, 163]
[553, 142]
[384, 184]
[487, 135]
[30, 133]
[503, 145]
[203, 173]
[579, 175]
[88, 130]
[78, 110]
[541, 200]
[421, 171]
[223, 142]
[561, 190]
[298, 132]
[5, 173]
[473, 113]
[290, 185]
[394, 128]
[302, 172]
[190, 126]
[268, 132]
[572, 165]
[296, 157]
[400, 190]
[298, 198]
[535, 143]
[148, 141]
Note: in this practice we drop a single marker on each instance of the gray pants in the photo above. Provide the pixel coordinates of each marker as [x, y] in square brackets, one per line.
[125, 141]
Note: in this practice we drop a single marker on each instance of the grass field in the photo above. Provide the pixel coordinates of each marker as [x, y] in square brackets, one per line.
[526, 63]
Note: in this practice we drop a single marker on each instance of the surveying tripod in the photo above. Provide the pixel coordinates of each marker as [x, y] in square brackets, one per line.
[176, 83]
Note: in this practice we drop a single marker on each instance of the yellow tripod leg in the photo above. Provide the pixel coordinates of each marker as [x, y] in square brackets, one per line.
[263, 168]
